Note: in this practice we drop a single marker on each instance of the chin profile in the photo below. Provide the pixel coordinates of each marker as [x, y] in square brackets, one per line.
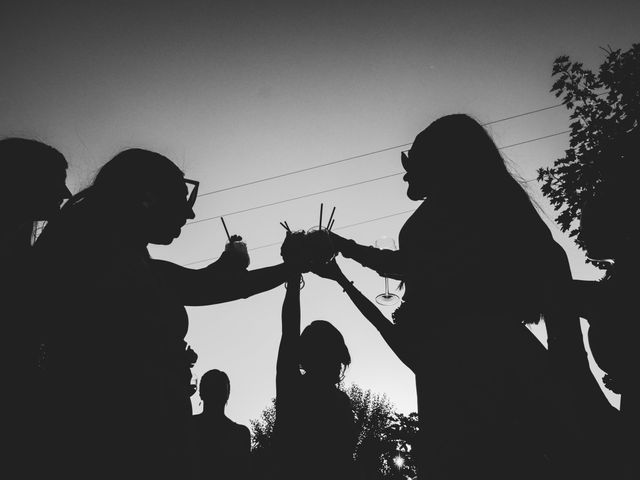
[165, 239]
[414, 195]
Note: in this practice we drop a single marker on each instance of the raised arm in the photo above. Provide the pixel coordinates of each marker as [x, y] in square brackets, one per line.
[388, 331]
[287, 367]
[388, 263]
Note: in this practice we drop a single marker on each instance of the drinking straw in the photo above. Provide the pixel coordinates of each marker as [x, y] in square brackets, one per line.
[320, 226]
[225, 228]
[285, 227]
[331, 217]
[330, 226]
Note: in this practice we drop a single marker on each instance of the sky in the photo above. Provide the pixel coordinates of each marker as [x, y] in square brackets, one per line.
[237, 91]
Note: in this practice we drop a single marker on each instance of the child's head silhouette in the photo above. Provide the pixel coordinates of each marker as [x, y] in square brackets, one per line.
[215, 388]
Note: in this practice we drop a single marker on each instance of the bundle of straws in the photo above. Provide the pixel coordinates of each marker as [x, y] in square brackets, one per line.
[329, 226]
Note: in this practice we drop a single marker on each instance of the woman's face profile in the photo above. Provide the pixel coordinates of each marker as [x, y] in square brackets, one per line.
[169, 213]
[417, 168]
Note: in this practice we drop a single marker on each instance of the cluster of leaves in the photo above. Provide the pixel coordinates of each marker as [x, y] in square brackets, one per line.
[605, 110]
[386, 439]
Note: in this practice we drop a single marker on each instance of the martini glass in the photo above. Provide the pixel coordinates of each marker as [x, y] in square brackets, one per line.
[387, 298]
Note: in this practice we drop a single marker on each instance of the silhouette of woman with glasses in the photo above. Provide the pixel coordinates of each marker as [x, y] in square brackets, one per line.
[118, 366]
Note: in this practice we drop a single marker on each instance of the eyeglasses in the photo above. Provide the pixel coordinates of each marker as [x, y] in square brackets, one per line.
[192, 191]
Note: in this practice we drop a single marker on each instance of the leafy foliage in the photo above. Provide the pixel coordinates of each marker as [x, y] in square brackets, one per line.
[605, 111]
[386, 439]
[262, 428]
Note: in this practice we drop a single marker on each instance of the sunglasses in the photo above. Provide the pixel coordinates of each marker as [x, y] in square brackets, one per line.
[192, 189]
[404, 159]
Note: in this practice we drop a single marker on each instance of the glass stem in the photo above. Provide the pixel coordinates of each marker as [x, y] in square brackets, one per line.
[386, 286]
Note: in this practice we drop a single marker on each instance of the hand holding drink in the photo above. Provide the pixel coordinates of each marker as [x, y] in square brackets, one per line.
[309, 249]
[236, 249]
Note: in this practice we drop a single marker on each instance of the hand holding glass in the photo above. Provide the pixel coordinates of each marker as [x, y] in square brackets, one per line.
[386, 298]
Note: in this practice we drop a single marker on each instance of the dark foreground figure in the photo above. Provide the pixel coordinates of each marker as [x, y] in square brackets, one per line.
[33, 188]
[477, 262]
[220, 448]
[117, 366]
[609, 230]
[314, 433]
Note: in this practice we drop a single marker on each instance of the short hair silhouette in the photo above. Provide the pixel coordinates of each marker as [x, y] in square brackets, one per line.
[322, 349]
[24, 156]
[215, 387]
[33, 175]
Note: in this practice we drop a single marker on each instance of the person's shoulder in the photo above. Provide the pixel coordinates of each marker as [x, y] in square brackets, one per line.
[239, 432]
[239, 428]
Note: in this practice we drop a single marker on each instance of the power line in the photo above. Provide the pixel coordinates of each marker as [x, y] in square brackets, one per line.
[354, 157]
[295, 198]
[351, 185]
[303, 170]
[337, 228]
[279, 202]
[535, 139]
[551, 107]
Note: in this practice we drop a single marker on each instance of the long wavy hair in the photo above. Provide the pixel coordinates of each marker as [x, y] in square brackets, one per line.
[456, 158]
[463, 156]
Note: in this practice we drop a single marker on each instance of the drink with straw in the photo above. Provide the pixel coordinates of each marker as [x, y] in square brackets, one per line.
[319, 241]
[237, 246]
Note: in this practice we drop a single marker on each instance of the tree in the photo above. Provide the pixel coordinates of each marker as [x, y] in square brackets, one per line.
[262, 441]
[403, 434]
[386, 439]
[605, 113]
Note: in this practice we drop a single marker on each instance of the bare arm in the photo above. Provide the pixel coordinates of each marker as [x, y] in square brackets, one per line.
[287, 366]
[387, 263]
[387, 329]
[219, 282]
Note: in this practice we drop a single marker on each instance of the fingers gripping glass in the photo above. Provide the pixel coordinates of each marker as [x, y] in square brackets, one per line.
[192, 191]
[387, 298]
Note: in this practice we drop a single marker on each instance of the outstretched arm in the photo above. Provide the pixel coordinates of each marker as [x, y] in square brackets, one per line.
[387, 263]
[386, 328]
[221, 281]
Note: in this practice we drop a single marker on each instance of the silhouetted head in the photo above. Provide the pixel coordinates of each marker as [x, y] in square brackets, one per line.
[34, 176]
[323, 353]
[215, 388]
[147, 191]
[452, 158]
